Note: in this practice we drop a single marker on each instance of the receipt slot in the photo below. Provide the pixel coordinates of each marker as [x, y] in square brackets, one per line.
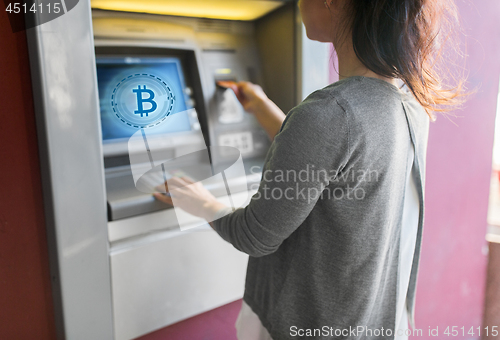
[122, 263]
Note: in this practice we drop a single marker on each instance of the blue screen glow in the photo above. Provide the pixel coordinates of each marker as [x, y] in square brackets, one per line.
[111, 70]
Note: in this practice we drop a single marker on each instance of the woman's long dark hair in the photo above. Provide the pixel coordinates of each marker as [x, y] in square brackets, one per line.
[407, 39]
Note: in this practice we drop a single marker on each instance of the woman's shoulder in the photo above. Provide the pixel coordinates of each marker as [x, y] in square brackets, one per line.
[356, 88]
[317, 111]
[367, 98]
[322, 104]
[348, 94]
[326, 108]
[354, 101]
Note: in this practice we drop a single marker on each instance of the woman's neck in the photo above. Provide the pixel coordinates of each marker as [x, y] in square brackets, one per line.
[350, 65]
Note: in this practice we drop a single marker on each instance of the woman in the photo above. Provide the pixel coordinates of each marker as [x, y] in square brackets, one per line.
[336, 254]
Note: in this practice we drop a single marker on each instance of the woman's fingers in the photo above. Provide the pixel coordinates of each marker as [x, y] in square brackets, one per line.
[245, 91]
[162, 187]
[178, 182]
[163, 198]
[186, 179]
[250, 90]
[175, 183]
[188, 195]
[233, 86]
[166, 187]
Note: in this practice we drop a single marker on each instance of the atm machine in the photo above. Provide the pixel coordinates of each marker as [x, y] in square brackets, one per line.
[161, 275]
[121, 265]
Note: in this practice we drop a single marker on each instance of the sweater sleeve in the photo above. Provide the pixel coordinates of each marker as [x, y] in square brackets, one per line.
[311, 146]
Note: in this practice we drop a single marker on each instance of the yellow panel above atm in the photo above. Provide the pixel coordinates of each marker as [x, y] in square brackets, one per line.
[245, 10]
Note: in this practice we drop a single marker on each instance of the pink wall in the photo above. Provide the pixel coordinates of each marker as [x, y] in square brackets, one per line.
[451, 281]
[217, 324]
[452, 276]
[450, 289]
[26, 309]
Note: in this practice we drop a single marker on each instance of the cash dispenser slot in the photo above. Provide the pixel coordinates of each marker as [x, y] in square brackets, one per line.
[125, 201]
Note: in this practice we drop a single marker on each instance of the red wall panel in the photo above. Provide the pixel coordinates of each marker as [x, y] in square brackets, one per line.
[26, 309]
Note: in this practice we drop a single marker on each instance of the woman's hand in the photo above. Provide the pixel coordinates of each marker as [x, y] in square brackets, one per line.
[190, 196]
[251, 96]
[254, 100]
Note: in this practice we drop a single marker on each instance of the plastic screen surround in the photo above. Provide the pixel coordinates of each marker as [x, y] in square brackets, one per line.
[111, 71]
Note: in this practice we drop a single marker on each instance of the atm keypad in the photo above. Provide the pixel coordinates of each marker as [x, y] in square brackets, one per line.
[243, 141]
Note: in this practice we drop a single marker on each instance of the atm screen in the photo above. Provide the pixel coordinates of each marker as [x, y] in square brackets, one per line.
[139, 100]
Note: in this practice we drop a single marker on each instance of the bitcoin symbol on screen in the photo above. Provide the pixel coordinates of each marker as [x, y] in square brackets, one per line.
[140, 100]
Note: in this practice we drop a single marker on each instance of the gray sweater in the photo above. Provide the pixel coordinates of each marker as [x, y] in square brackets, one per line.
[323, 230]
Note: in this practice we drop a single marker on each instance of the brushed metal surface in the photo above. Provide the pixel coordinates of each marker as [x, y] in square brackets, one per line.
[152, 287]
[67, 113]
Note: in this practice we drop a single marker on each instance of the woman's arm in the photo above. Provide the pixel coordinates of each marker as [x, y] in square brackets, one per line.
[313, 137]
[195, 199]
[312, 142]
